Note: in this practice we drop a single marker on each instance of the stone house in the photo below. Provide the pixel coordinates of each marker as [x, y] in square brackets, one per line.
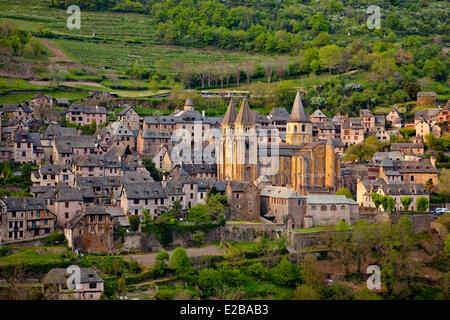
[408, 148]
[352, 131]
[92, 231]
[68, 148]
[90, 286]
[330, 210]
[426, 99]
[27, 219]
[394, 118]
[280, 204]
[17, 111]
[119, 131]
[84, 115]
[150, 196]
[43, 99]
[27, 147]
[149, 138]
[103, 191]
[130, 118]
[68, 202]
[279, 118]
[424, 127]
[244, 200]
[52, 175]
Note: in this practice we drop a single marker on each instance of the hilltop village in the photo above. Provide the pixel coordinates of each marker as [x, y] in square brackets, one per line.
[86, 185]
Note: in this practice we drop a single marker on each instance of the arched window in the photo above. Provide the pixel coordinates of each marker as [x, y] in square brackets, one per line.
[342, 207]
[323, 208]
[313, 208]
[333, 208]
[303, 128]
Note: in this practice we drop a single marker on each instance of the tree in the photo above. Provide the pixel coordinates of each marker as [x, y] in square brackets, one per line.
[285, 273]
[151, 168]
[209, 280]
[391, 204]
[406, 201]
[134, 222]
[412, 88]
[422, 204]
[306, 292]
[249, 68]
[444, 180]
[376, 198]
[330, 56]
[268, 67]
[160, 261]
[179, 261]
[360, 151]
[345, 192]
[257, 270]
[310, 272]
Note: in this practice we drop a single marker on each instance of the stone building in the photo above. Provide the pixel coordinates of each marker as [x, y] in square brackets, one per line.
[130, 118]
[426, 99]
[244, 200]
[84, 115]
[92, 231]
[300, 163]
[90, 286]
[27, 219]
[330, 210]
[280, 205]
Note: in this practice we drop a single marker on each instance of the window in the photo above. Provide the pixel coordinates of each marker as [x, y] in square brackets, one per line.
[333, 208]
[67, 204]
[313, 208]
[92, 286]
[66, 215]
[323, 208]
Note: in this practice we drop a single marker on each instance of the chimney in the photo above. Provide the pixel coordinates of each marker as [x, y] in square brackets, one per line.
[203, 113]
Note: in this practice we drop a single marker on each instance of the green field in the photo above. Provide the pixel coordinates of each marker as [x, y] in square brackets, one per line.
[33, 255]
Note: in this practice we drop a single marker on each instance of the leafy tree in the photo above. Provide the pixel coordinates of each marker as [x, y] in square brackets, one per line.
[306, 292]
[151, 168]
[134, 222]
[406, 201]
[376, 198]
[412, 88]
[257, 270]
[422, 204]
[345, 192]
[179, 261]
[330, 57]
[447, 245]
[160, 261]
[310, 272]
[285, 273]
[209, 280]
[391, 204]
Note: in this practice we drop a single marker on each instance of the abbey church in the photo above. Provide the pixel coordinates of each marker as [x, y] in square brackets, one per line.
[306, 165]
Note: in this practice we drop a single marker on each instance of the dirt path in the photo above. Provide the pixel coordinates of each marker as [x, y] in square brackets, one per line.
[58, 54]
[69, 83]
[148, 259]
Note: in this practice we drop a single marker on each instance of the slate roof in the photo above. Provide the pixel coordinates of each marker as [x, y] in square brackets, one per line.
[59, 276]
[86, 109]
[149, 190]
[155, 134]
[280, 192]
[298, 112]
[25, 204]
[278, 114]
[329, 199]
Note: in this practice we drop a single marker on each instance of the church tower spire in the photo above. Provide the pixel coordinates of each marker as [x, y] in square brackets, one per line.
[299, 127]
